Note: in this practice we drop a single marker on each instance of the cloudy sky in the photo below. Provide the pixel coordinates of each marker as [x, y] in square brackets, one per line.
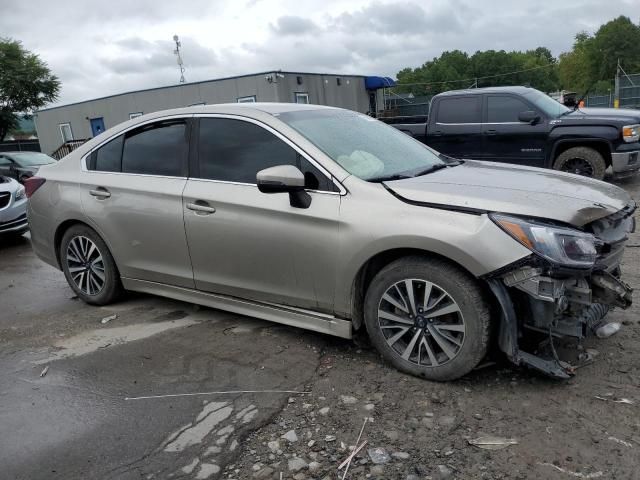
[100, 48]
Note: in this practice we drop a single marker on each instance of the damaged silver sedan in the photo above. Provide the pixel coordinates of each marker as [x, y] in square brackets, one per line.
[329, 220]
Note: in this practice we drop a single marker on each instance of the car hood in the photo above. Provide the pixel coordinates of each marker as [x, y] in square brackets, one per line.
[526, 191]
[622, 115]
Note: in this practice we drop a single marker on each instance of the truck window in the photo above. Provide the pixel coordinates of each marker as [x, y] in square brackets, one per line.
[459, 110]
[503, 108]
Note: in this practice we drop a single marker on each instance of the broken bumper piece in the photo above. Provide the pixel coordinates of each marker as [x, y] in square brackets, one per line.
[550, 307]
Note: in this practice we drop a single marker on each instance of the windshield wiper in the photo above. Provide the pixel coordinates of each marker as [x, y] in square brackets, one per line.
[433, 168]
[388, 178]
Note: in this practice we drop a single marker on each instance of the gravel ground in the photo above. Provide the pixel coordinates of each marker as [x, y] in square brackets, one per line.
[75, 421]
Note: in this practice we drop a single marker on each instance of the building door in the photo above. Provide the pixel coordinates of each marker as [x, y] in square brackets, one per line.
[97, 126]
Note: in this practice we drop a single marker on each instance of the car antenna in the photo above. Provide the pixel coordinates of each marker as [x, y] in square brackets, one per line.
[584, 95]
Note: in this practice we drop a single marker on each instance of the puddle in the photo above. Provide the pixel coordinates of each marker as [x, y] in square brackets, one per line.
[89, 342]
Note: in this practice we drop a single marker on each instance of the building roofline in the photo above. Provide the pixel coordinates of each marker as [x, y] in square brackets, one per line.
[197, 83]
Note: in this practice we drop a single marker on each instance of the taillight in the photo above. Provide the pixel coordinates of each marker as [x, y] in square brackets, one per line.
[32, 184]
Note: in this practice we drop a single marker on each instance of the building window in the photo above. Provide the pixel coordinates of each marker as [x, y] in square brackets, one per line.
[302, 97]
[249, 99]
[299, 80]
[65, 132]
[135, 115]
[338, 81]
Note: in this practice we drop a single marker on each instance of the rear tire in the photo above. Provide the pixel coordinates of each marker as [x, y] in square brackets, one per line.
[438, 347]
[583, 161]
[89, 266]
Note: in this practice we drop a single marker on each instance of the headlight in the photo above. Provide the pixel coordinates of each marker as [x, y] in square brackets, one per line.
[21, 193]
[631, 133]
[560, 245]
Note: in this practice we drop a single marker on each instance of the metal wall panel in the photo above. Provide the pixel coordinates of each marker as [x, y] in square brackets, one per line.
[267, 87]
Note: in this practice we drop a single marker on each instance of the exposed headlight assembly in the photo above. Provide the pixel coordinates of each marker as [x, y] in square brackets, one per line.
[631, 133]
[20, 193]
[563, 246]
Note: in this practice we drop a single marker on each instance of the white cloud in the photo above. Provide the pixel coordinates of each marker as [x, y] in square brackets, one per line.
[104, 48]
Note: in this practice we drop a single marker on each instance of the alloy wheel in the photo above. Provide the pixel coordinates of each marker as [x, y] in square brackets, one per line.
[85, 265]
[579, 166]
[421, 322]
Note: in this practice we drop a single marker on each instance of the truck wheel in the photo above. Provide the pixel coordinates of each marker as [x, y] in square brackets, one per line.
[427, 318]
[583, 161]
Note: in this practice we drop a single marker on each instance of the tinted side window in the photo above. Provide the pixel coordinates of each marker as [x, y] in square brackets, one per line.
[460, 110]
[504, 109]
[107, 158]
[156, 149]
[235, 151]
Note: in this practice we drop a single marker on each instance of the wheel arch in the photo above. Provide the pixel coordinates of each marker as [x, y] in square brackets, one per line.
[602, 146]
[377, 262]
[66, 225]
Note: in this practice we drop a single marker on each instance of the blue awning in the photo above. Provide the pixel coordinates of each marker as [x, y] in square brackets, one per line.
[374, 83]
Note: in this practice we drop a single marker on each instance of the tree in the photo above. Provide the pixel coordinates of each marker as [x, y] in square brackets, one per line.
[574, 67]
[593, 61]
[456, 69]
[616, 40]
[26, 84]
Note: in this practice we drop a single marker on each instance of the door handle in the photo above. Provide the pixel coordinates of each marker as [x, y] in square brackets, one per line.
[100, 193]
[437, 133]
[491, 132]
[196, 207]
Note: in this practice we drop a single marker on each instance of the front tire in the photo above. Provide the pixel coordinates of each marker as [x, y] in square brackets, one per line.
[583, 161]
[428, 318]
[89, 267]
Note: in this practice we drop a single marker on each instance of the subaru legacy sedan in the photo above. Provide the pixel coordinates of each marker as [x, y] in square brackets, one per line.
[329, 220]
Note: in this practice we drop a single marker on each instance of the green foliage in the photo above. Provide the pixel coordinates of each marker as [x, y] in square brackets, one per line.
[25, 84]
[590, 65]
[593, 61]
[457, 69]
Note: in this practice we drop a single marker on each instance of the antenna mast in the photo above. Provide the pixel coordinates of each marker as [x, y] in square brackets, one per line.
[177, 54]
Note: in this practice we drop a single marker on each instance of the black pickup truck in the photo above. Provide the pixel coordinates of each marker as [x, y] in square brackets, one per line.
[524, 126]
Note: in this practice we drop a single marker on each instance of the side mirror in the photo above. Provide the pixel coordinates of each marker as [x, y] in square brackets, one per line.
[284, 179]
[529, 116]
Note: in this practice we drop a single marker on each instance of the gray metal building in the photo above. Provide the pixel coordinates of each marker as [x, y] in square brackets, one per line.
[83, 120]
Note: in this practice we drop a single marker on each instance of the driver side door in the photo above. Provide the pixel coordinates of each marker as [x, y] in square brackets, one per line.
[506, 138]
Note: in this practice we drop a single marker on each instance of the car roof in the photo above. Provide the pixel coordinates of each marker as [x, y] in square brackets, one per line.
[266, 107]
[479, 91]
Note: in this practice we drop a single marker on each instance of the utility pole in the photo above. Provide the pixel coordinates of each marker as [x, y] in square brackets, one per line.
[616, 95]
[177, 54]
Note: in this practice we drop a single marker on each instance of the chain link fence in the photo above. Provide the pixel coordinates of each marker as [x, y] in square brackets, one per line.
[630, 91]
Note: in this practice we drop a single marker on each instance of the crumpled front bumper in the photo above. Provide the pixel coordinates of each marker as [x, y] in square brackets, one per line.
[531, 302]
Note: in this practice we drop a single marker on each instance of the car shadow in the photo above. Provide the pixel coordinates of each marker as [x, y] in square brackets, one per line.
[9, 242]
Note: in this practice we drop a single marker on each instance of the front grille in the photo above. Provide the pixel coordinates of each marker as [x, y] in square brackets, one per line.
[4, 199]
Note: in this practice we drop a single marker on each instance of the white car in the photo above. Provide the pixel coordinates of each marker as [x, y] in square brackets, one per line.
[13, 207]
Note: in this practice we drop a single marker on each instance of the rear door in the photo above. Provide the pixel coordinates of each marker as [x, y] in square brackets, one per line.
[132, 191]
[507, 139]
[456, 129]
[253, 245]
